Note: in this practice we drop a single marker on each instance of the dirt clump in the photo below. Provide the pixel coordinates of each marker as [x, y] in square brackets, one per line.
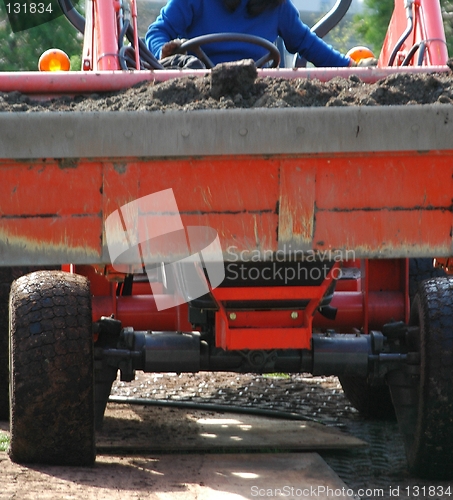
[236, 85]
[232, 79]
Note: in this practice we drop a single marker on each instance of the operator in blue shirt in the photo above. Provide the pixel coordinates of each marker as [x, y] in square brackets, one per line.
[185, 19]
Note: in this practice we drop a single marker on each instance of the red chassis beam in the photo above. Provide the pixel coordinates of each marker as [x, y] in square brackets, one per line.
[381, 298]
[141, 313]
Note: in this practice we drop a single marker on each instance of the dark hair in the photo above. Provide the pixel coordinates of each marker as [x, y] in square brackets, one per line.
[254, 7]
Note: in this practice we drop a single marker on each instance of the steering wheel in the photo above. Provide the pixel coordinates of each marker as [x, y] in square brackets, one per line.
[194, 45]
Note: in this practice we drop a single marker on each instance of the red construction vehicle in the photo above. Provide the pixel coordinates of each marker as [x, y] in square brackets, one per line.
[324, 235]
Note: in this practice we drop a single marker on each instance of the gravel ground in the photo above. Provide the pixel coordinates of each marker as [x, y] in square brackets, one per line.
[378, 468]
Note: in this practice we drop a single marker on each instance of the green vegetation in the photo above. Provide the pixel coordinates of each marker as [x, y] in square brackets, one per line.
[371, 26]
[276, 375]
[447, 13]
[4, 441]
[21, 51]
[343, 37]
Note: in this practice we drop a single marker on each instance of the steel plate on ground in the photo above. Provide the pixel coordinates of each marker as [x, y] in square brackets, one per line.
[150, 429]
[177, 477]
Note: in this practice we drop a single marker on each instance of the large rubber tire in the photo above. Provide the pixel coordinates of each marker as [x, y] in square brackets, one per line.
[423, 390]
[5, 284]
[52, 397]
[421, 270]
[376, 401]
[7, 276]
[373, 402]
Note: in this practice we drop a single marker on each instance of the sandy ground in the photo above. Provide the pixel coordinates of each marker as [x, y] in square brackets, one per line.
[122, 473]
[174, 477]
[377, 470]
[189, 465]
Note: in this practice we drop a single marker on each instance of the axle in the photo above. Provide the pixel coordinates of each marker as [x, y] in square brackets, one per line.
[332, 353]
[127, 350]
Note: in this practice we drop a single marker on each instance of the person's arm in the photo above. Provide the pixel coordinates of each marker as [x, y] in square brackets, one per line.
[170, 25]
[300, 39]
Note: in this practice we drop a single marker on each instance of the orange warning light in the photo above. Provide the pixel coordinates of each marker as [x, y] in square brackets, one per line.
[54, 60]
[359, 53]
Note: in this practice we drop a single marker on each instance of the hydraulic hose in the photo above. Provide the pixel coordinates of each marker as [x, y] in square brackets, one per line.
[421, 53]
[123, 31]
[410, 54]
[407, 31]
[126, 57]
[76, 19]
[332, 18]
[145, 53]
[213, 407]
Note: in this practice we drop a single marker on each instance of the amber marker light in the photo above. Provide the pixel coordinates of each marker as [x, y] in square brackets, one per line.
[359, 53]
[54, 60]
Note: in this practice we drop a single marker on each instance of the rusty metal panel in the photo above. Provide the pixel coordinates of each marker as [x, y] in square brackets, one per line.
[386, 205]
[401, 180]
[50, 188]
[385, 233]
[297, 199]
[50, 240]
[50, 211]
[227, 184]
[375, 205]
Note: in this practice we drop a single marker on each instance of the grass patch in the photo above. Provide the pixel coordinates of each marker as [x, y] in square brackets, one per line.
[4, 441]
[276, 375]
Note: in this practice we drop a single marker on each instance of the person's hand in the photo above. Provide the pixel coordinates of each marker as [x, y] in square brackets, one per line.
[367, 61]
[361, 56]
[363, 63]
[171, 47]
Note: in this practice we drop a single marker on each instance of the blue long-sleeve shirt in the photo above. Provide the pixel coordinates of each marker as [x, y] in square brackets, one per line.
[191, 18]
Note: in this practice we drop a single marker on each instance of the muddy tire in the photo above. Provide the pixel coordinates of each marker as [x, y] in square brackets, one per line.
[423, 391]
[376, 401]
[7, 276]
[52, 400]
[371, 401]
[419, 271]
[5, 284]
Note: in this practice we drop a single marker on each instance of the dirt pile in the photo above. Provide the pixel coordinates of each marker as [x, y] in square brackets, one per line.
[236, 85]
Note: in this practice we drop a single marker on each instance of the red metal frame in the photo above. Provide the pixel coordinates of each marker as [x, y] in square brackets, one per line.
[350, 206]
[341, 188]
[380, 297]
[106, 35]
[86, 82]
[100, 56]
[268, 329]
[374, 218]
[428, 28]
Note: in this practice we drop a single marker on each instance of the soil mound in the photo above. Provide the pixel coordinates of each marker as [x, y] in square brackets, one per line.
[236, 85]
